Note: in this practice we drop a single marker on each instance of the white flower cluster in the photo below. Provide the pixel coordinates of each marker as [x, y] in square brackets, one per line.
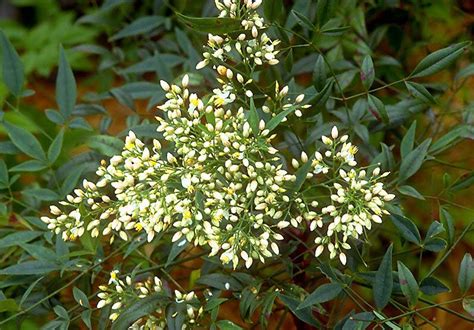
[254, 50]
[122, 294]
[218, 182]
[357, 197]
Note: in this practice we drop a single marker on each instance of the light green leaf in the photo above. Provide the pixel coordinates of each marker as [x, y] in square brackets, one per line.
[227, 325]
[253, 118]
[8, 305]
[18, 237]
[408, 284]
[65, 86]
[12, 67]
[383, 282]
[439, 60]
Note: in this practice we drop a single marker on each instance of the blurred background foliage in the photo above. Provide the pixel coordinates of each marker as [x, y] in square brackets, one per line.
[118, 51]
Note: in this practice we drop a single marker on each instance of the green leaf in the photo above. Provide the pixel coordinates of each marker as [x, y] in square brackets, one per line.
[367, 72]
[407, 228]
[408, 284]
[301, 174]
[4, 177]
[303, 20]
[176, 249]
[454, 136]
[123, 97]
[55, 148]
[12, 67]
[448, 222]
[325, 11]
[304, 314]
[8, 305]
[25, 141]
[42, 194]
[275, 121]
[86, 318]
[434, 229]
[420, 92]
[410, 191]
[253, 118]
[463, 182]
[39, 252]
[377, 108]
[319, 73]
[358, 321]
[413, 161]
[383, 282]
[140, 26]
[61, 312]
[137, 310]
[432, 286]
[226, 324]
[322, 294]
[80, 297]
[273, 10]
[29, 166]
[439, 60]
[466, 273]
[65, 86]
[468, 305]
[435, 244]
[18, 237]
[35, 267]
[105, 144]
[217, 25]
[465, 72]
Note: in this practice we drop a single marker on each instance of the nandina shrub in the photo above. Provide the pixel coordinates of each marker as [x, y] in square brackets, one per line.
[249, 188]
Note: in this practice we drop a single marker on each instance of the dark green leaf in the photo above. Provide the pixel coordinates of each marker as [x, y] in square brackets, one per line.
[25, 141]
[80, 297]
[410, 191]
[142, 307]
[465, 72]
[301, 174]
[4, 177]
[18, 237]
[439, 60]
[42, 194]
[383, 282]
[434, 244]
[377, 108]
[55, 148]
[367, 72]
[413, 161]
[105, 144]
[358, 321]
[12, 67]
[420, 92]
[123, 97]
[466, 273]
[176, 249]
[325, 11]
[140, 26]
[408, 284]
[29, 290]
[303, 20]
[36, 267]
[65, 86]
[322, 294]
[304, 314]
[275, 121]
[213, 25]
[464, 182]
[408, 140]
[407, 228]
[434, 229]
[61, 312]
[432, 286]
[29, 166]
[448, 222]
[319, 73]
[454, 136]
[273, 10]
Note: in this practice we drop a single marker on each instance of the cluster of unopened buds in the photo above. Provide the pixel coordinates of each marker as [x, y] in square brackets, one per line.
[122, 294]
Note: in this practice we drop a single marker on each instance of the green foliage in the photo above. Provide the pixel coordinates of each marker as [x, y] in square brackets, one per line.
[408, 113]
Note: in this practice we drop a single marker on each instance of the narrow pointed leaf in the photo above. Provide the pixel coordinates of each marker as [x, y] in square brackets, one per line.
[407, 228]
[408, 284]
[12, 67]
[466, 273]
[367, 72]
[25, 141]
[322, 294]
[65, 86]
[383, 282]
[413, 161]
